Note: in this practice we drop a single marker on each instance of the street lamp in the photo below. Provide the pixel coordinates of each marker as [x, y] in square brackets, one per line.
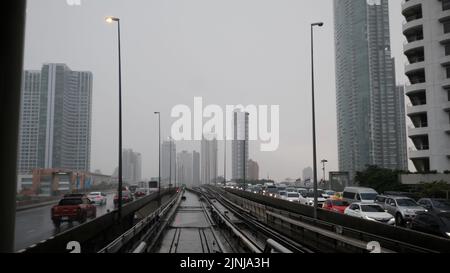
[320, 24]
[110, 20]
[324, 174]
[159, 153]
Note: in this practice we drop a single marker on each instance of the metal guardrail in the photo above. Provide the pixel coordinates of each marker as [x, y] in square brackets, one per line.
[130, 235]
[393, 238]
[95, 234]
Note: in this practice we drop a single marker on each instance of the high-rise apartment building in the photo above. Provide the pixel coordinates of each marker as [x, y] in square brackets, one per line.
[369, 128]
[185, 168]
[253, 170]
[131, 166]
[168, 154]
[196, 168]
[29, 125]
[56, 119]
[208, 159]
[240, 149]
[427, 48]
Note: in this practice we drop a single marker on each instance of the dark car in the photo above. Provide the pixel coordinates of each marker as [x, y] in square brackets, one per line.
[433, 223]
[73, 207]
[435, 205]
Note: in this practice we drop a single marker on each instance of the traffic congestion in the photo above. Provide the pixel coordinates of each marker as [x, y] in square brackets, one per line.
[427, 215]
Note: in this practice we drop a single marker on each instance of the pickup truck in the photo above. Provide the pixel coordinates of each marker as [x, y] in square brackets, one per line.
[73, 207]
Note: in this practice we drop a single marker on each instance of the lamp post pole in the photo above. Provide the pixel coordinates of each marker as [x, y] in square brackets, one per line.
[119, 190]
[314, 118]
[159, 153]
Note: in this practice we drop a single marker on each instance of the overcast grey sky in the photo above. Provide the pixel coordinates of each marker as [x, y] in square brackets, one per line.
[226, 51]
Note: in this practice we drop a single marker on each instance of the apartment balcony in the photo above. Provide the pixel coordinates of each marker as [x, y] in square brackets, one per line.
[447, 128]
[411, 25]
[445, 38]
[414, 131]
[445, 60]
[409, 68]
[446, 84]
[408, 46]
[410, 4]
[444, 15]
[414, 110]
[415, 88]
[418, 154]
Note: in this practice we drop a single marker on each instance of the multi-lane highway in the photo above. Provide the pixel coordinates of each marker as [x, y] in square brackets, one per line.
[35, 225]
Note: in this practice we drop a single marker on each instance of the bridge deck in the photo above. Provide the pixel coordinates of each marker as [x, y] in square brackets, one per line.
[190, 231]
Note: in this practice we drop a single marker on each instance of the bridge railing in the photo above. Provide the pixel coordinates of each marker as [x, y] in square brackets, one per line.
[96, 234]
[390, 237]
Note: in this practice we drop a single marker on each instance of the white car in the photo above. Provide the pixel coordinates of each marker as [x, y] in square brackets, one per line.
[292, 197]
[370, 212]
[282, 194]
[307, 198]
[98, 197]
[328, 193]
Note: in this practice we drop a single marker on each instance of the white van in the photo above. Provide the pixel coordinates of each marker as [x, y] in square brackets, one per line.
[359, 194]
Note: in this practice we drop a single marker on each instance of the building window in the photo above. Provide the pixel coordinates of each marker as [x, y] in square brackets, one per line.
[445, 4]
[447, 69]
[446, 26]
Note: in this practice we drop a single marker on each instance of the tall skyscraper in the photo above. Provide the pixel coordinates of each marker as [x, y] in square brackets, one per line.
[185, 168]
[307, 174]
[60, 108]
[29, 125]
[196, 168]
[253, 170]
[208, 159]
[427, 32]
[369, 129]
[131, 166]
[167, 148]
[240, 140]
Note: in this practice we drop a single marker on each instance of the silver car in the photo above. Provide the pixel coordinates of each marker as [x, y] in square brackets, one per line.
[404, 209]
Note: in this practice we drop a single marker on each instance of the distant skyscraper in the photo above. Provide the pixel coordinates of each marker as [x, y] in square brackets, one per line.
[369, 129]
[240, 139]
[208, 159]
[427, 29]
[253, 170]
[308, 174]
[402, 133]
[60, 110]
[196, 168]
[185, 168]
[166, 157]
[131, 166]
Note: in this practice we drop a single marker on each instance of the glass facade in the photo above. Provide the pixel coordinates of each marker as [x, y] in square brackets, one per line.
[369, 129]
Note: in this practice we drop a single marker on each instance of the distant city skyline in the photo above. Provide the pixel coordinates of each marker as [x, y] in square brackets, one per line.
[268, 67]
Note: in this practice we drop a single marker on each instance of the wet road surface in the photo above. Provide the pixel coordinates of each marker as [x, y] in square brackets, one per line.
[35, 225]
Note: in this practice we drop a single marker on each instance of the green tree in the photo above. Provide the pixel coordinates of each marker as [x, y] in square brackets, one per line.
[434, 190]
[380, 179]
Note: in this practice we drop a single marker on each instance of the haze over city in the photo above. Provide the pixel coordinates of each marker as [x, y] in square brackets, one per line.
[227, 52]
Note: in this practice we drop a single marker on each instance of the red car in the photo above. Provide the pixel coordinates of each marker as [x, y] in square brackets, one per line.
[335, 205]
[127, 197]
[73, 207]
[139, 194]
